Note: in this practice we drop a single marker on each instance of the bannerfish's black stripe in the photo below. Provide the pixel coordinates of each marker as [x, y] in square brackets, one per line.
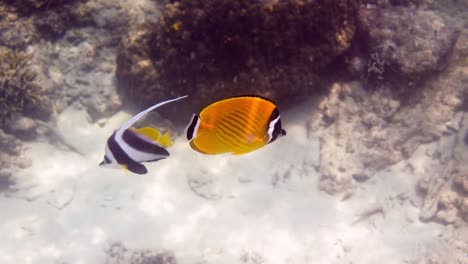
[191, 127]
[137, 142]
[119, 154]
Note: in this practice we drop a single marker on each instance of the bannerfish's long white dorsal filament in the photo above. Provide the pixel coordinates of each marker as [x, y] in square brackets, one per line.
[130, 122]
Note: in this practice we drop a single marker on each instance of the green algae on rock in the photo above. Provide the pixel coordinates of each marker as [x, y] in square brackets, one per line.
[19, 91]
[212, 49]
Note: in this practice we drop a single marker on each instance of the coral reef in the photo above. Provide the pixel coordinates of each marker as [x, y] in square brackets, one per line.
[19, 90]
[387, 3]
[445, 190]
[30, 6]
[366, 131]
[213, 49]
[15, 33]
[405, 46]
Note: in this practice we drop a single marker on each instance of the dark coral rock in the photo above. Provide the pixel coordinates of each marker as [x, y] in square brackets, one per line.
[6, 181]
[405, 45]
[53, 25]
[16, 34]
[387, 3]
[118, 253]
[213, 49]
[23, 23]
[27, 7]
[19, 91]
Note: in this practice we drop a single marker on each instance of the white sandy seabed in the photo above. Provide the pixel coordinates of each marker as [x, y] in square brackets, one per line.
[264, 207]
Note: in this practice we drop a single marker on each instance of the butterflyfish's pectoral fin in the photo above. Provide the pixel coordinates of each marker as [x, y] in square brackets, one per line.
[149, 132]
[137, 168]
[165, 140]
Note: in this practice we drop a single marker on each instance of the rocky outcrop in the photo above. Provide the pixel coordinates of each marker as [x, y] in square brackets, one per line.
[20, 92]
[275, 49]
[404, 46]
[366, 131]
[55, 54]
[118, 253]
[445, 189]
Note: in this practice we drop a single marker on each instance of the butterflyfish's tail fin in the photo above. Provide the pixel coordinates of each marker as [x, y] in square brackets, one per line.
[132, 120]
[165, 140]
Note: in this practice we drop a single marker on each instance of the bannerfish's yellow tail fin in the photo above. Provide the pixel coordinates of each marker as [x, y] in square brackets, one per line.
[150, 132]
[165, 140]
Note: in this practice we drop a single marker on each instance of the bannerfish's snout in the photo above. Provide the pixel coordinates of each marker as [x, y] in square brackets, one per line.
[102, 163]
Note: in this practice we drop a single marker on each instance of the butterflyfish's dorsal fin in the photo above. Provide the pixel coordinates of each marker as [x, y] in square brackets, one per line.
[165, 140]
[149, 132]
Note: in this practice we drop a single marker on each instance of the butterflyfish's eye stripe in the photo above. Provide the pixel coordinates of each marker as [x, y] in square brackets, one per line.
[138, 143]
[106, 159]
[119, 154]
[193, 127]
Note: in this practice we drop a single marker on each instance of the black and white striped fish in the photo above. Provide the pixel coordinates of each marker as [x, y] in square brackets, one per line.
[128, 147]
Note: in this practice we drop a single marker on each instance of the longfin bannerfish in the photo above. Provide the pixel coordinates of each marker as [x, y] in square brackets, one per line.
[128, 147]
[236, 125]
